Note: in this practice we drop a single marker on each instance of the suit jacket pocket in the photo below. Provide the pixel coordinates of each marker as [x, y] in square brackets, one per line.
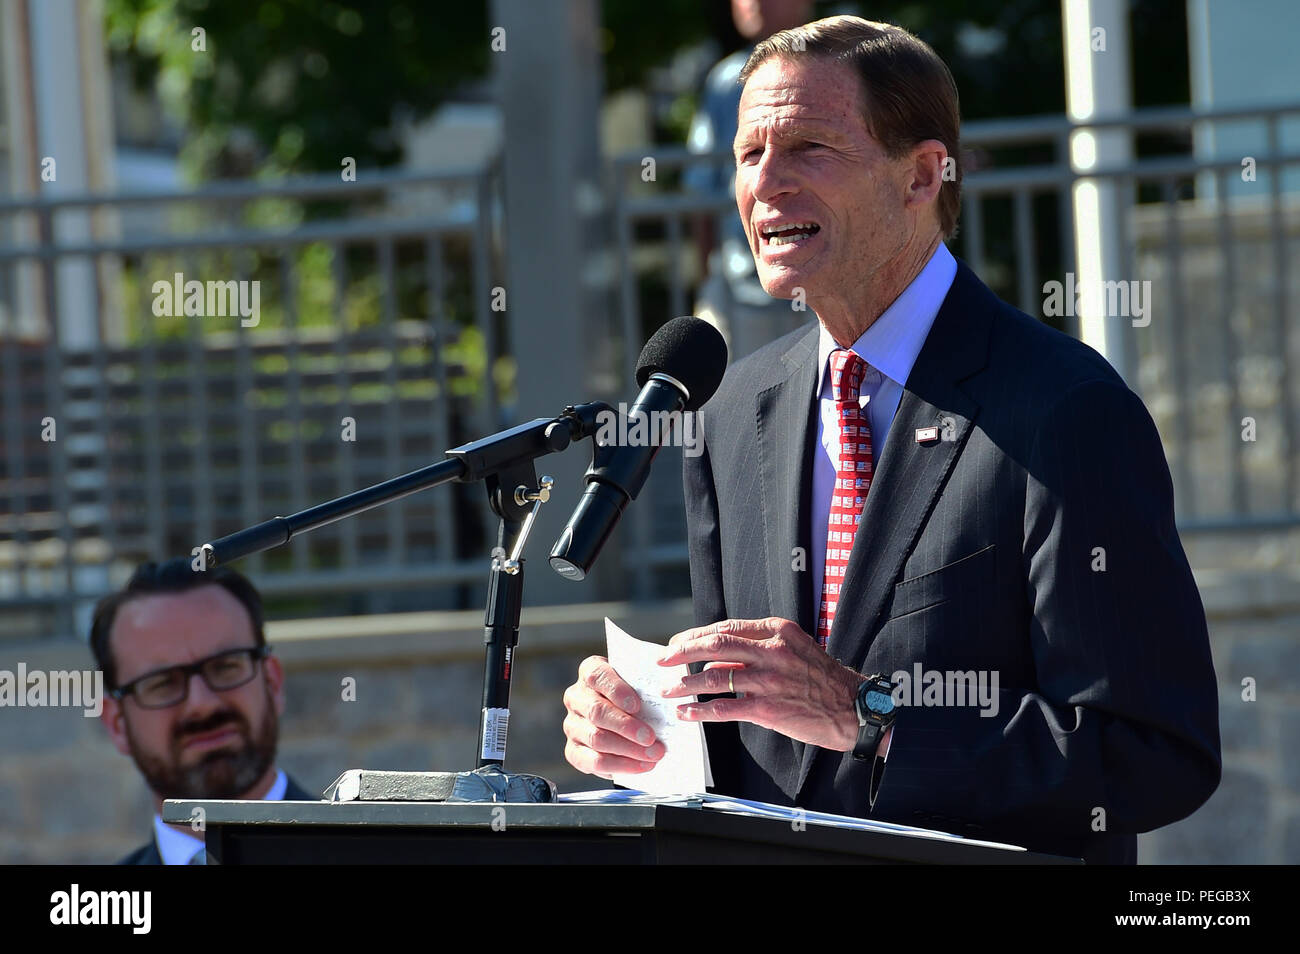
[945, 583]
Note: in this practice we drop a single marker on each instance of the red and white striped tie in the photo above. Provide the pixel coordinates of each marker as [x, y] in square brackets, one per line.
[852, 481]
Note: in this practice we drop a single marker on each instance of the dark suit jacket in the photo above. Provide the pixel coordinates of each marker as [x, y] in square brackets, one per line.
[974, 552]
[148, 854]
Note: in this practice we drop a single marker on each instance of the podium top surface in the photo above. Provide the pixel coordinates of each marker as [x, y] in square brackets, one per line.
[902, 845]
[418, 814]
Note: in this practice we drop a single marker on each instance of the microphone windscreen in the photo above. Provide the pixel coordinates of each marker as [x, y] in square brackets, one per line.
[690, 350]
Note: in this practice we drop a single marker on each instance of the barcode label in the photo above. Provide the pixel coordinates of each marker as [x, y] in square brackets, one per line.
[495, 724]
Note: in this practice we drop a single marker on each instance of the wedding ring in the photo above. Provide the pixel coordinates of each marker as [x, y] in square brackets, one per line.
[731, 680]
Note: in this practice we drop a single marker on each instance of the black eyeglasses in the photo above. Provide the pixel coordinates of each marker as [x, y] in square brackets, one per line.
[168, 687]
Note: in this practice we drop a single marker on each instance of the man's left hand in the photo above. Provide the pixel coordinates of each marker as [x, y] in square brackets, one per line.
[789, 682]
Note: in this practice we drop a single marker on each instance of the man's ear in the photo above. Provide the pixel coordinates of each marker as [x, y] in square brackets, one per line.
[114, 720]
[927, 160]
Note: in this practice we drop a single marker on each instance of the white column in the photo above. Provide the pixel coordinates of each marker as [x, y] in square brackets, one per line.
[74, 128]
[547, 70]
[1098, 85]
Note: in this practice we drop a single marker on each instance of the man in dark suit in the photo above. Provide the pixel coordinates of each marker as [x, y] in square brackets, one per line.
[195, 695]
[928, 483]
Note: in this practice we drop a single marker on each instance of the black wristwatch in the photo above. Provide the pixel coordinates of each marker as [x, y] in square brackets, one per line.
[874, 703]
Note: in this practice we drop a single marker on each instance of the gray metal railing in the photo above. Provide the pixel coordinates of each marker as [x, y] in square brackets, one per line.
[375, 348]
[172, 430]
[1189, 232]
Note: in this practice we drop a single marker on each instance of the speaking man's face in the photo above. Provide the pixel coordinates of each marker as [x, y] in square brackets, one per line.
[214, 743]
[821, 202]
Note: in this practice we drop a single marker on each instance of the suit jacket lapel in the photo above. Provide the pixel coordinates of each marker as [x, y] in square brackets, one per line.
[784, 416]
[910, 475]
[784, 413]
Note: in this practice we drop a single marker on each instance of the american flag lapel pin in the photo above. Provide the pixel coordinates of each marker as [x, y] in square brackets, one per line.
[926, 434]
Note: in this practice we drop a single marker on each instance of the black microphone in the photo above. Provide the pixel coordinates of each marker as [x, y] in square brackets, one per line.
[679, 369]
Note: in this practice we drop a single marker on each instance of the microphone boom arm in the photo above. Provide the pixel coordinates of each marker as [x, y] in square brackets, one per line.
[470, 462]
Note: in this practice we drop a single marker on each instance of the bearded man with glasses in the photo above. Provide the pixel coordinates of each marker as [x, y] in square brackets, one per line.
[195, 695]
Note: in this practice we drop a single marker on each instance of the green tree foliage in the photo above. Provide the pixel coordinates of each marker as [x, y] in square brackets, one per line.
[637, 37]
[1007, 56]
[295, 85]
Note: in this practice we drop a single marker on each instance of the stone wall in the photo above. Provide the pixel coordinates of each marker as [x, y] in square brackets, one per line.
[1250, 584]
[1222, 346]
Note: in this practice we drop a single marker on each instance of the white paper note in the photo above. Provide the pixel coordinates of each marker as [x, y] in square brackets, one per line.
[685, 765]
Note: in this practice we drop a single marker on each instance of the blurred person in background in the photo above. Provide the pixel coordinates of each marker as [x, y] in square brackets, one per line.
[195, 695]
[731, 297]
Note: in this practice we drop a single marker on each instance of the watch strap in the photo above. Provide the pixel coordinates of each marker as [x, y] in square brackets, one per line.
[869, 734]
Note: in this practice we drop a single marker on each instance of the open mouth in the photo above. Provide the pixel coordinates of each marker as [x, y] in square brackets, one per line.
[787, 233]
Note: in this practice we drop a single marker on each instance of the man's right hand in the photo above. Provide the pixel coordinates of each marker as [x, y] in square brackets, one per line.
[603, 736]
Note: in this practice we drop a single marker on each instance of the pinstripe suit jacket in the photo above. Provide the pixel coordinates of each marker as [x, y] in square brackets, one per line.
[981, 551]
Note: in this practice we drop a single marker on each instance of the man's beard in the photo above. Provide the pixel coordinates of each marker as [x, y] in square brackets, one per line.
[221, 773]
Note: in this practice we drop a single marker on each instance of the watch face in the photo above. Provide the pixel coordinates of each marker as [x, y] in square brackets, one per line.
[879, 702]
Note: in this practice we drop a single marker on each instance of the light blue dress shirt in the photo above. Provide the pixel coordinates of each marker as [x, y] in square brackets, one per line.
[889, 347]
[178, 848]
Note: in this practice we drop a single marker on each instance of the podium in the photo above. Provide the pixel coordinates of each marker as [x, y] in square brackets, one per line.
[262, 833]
